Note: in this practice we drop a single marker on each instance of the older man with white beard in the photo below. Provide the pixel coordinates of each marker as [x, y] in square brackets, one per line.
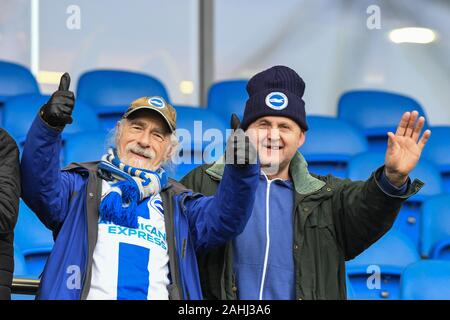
[122, 229]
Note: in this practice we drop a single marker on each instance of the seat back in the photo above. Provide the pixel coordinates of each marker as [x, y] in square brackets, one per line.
[436, 227]
[15, 80]
[329, 145]
[375, 113]
[20, 112]
[228, 97]
[375, 273]
[437, 151]
[34, 240]
[110, 92]
[426, 280]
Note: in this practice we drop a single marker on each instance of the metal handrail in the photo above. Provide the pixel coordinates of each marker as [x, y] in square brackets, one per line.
[25, 286]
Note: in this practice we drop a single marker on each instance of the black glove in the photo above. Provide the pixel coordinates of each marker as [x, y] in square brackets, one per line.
[239, 151]
[57, 112]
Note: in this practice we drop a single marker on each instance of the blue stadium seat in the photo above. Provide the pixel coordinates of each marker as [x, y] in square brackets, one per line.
[350, 291]
[361, 166]
[204, 126]
[426, 280]
[20, 271]
[20, 111]
[329, 145]
[386, 258]
[409, 219]
[436, 227]
[202, 135]
[34, 240]
[85, 146]
[437, 151]
[110, 92]
[375, 113]
[14, 80]
[227, 97]
[20, 265]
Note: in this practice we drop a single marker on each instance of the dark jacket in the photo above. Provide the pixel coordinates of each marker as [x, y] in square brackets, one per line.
[9, 207]
[334, 221]
[67, 203]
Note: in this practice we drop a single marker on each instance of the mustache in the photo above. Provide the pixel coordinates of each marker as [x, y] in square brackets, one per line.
[135, 148]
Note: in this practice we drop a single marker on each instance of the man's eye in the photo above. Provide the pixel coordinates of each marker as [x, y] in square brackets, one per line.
[158, 136]
[136, 127]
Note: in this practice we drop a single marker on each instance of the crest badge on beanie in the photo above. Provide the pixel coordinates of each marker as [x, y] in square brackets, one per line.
[277, 91]
[277, 100]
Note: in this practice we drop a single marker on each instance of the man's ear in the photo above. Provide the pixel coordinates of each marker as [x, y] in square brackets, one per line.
[119, 128]
[301, 141]
[171, 150]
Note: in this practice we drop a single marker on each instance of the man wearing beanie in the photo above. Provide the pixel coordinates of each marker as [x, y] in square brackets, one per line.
[303, 226]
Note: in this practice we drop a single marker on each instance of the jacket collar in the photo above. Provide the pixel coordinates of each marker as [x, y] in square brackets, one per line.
[304, 182]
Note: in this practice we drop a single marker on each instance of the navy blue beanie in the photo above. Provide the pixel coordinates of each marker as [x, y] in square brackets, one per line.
[277, 91]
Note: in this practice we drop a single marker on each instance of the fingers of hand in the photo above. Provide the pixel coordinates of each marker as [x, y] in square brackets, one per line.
[242, 149]
[62, 100]
[67, 94]
[391, 140]
[423, 141]
[61, 114]
[418, 128]
[411, 123]
[403, 125]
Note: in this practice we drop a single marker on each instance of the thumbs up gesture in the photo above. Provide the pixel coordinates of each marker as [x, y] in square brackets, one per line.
[240, 150]
[57, 112]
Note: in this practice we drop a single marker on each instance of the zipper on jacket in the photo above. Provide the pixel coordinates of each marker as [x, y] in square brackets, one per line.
[266, 255]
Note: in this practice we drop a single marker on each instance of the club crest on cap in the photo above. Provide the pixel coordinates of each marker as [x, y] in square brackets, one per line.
[276, 100]
[157, 102]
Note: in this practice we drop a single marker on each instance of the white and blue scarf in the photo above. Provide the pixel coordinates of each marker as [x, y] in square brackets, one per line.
[129, 187]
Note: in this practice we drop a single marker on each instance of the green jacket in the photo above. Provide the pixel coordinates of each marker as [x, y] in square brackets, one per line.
[334, 221]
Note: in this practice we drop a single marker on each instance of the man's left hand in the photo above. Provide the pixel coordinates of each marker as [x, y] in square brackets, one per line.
[404, 148]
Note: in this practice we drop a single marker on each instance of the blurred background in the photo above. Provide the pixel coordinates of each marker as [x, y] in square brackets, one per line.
[327, 42]
[364, 62]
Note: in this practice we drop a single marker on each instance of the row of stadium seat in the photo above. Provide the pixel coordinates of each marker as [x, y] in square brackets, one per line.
[330, 142]
[108, 92]
[420, 280]
[394, 252]
[329, 146]
[102, 97]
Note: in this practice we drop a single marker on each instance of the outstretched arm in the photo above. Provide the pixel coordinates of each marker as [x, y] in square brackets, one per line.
[217, 219]
[44, 188]
[367, 210]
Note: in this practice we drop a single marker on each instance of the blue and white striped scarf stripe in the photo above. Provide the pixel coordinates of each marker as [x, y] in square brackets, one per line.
[130, 186]
[148, 182]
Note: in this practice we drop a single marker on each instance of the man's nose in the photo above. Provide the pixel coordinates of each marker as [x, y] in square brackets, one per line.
[144, 140]
[273, 134]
